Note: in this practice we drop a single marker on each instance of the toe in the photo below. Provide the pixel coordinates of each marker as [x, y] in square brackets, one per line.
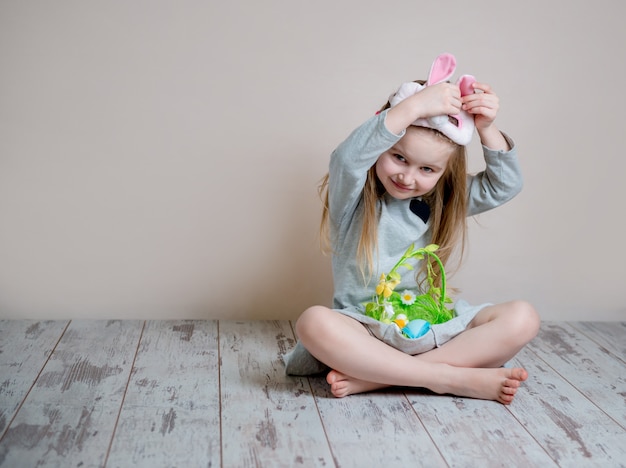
[509, 390]
[519, 374]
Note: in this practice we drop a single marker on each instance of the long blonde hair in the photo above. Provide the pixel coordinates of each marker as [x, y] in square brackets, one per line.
[448, 211]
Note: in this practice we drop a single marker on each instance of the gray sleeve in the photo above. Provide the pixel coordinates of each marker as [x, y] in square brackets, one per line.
[350, 162]
[498, 183]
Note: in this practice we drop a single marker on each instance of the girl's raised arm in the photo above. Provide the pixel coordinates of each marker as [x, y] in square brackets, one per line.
[484, 105]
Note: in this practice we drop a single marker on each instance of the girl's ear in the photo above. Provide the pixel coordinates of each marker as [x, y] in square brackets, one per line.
[442, 69]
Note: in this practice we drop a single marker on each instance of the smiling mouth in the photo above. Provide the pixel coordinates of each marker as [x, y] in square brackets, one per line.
[401, 187]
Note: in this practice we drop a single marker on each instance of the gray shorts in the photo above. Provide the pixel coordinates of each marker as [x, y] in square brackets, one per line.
[300, 362]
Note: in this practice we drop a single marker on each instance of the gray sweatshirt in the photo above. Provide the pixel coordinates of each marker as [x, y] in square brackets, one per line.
[398, 227]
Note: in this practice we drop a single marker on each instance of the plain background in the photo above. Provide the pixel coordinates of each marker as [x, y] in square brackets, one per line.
[160, 159]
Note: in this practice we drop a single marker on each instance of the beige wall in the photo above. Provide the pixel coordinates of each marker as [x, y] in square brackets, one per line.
[160, 159]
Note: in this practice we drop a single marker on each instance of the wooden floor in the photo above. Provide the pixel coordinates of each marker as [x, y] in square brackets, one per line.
[209, 393]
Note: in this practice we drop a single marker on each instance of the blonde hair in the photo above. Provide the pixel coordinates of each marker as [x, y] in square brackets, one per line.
[448, 211]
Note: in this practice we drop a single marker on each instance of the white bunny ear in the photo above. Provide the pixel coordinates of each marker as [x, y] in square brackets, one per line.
[405, 90]
[442, 69]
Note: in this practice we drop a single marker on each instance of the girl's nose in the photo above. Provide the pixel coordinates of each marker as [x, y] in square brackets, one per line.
[407, 177]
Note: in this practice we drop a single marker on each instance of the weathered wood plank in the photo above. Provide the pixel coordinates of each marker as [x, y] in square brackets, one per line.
[610, 335]
[570, 412]
[58, 435]
[268, 418]
[481, 433]
[170, 415]
[571, 429]
[374, 429]
[591, 368]
[69, 416]
[25, 346]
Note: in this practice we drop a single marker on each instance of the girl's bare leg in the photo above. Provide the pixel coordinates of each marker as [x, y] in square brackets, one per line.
[468, 365]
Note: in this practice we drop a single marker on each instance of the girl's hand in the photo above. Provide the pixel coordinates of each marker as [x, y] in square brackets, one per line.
[484, 105]
[438, 99]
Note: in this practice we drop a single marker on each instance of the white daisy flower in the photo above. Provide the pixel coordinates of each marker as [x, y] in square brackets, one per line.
[407, 297]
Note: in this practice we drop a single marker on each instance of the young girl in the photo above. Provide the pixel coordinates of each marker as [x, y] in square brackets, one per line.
[393, 183]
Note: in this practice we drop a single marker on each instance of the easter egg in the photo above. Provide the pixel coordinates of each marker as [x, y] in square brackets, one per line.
[401, 322]
[416, 328]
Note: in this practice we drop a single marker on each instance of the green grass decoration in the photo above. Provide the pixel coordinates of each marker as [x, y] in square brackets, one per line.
[389, 306]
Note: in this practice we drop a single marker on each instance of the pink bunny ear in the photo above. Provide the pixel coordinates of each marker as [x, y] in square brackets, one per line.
[442, 68]
[465, 84]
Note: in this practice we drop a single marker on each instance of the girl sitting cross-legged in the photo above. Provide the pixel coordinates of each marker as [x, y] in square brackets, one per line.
[400, 179]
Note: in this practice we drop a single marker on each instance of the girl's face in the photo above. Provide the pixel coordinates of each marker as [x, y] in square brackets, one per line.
[414, 165]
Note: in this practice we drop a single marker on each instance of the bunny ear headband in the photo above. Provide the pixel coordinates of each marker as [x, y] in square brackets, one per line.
[460, 127]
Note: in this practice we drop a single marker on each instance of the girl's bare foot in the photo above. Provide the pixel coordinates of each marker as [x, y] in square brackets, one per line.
[341, 385]
[498, 384]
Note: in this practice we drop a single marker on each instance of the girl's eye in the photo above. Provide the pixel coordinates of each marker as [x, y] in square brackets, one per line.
[427, 169]
[399, 157]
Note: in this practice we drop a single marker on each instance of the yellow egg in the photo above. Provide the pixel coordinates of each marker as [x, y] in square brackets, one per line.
[401, 322]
